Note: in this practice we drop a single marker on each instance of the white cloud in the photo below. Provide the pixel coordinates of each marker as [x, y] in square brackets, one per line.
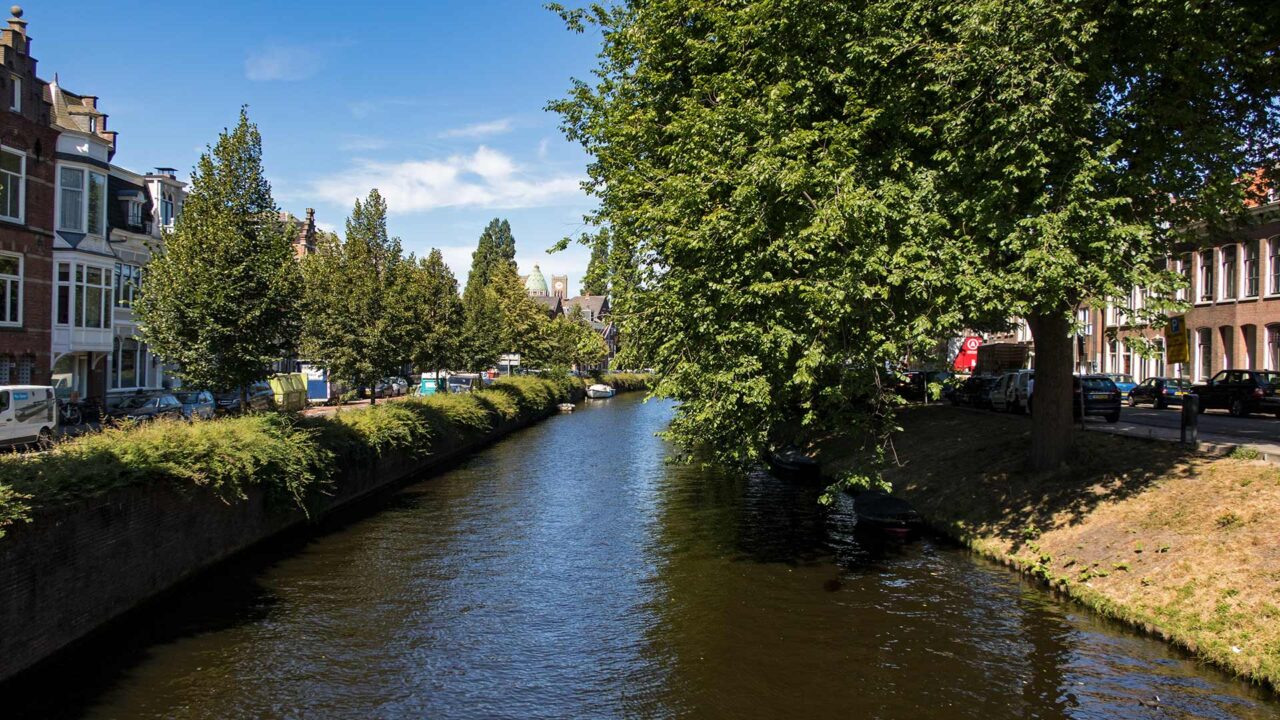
[326, 227]
[484, 129]
[282, 62]
[486, 178]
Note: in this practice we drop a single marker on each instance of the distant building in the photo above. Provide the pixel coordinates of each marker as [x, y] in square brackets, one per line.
[560, 286]
[535, 283]
[304, 238]
[595, 310]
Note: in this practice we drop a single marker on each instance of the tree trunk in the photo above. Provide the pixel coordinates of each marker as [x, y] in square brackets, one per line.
[1051, 422]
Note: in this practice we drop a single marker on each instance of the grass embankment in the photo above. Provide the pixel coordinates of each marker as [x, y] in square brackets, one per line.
[1183, 545]
[622, 382]
[293, 459]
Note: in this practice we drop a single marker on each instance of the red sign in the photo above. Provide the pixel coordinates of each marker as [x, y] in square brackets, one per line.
[967, 358]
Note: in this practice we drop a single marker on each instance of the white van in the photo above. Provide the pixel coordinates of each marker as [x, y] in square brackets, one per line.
[28, 413]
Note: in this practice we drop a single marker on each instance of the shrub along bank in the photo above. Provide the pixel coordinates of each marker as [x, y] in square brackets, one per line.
[623, 382]
[1180, 544]
[293, 459]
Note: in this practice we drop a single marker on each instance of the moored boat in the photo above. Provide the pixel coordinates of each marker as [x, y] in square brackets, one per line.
[600, 391]
[877, 508]
[565, 407]
[792, 462]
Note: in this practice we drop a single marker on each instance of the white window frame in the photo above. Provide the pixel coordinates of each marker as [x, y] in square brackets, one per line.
[15, 97]
[22, 187]
[167, 209]
[135, 213]
[74, 284]
[4, 290]
[1206, 273]
[1229, 260]
[1272, 279]
[85, 185]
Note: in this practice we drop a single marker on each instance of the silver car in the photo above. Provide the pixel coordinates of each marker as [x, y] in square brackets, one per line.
[196, 404]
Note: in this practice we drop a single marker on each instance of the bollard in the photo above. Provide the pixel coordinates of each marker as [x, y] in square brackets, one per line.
[1191, 420]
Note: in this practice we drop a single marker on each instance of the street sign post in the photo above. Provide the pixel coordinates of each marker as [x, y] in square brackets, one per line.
[1177, 341]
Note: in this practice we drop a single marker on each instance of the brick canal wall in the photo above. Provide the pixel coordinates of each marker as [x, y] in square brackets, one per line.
[76, 567]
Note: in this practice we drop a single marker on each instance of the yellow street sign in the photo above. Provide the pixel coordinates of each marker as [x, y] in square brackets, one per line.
[1177, 341]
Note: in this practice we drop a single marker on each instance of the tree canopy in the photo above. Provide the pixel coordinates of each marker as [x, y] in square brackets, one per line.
[221, 297]
[359, 317]
[799, 192]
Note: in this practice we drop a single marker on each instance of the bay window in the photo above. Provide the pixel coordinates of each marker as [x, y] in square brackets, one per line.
[83, 296]
[83, 195]
[10, 289]
[13, 183]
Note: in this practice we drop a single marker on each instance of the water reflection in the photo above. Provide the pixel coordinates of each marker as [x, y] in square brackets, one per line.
[571, 572]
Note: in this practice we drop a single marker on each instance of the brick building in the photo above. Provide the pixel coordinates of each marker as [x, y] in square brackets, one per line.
[1234, 318]
[27, 147]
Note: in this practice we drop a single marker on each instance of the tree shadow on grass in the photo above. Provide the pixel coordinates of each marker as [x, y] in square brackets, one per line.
[968, 469]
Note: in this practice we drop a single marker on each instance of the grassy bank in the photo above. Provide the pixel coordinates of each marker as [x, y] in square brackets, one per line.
[1182, 545]
[622, 382]
[294, 459]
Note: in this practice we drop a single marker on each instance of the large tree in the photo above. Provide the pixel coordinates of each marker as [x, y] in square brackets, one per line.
[357, 304]
[812, 188]
[437, 316]
[221, 297]
[596, 279]
[482, 331]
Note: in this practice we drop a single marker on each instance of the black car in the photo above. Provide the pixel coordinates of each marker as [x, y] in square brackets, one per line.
[914, 385]
[1095, 395]
[1160, 392]
[261, 398]
[146, 407]
[975, 392]
[1241, 392]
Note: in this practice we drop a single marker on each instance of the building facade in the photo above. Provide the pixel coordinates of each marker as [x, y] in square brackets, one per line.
[27, 147]
[1233, 289]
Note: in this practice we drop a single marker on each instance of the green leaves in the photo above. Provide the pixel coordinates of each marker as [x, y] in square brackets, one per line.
[221, 298]
[359, 299]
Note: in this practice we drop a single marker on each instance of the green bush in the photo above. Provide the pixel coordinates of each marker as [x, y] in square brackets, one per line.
[290, 458]
[227, 456]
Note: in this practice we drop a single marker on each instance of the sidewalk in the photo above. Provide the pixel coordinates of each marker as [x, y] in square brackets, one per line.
[1209, 442]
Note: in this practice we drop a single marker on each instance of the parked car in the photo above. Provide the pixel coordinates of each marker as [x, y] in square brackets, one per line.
[146, 407]
[462, 383]
[1124, 383]
[974, 392]
[1000, 392]
[1241, 392]
[914, 384]
[261, 398]
[196, 404]
[28, 414]
[391, 387]
[1095, 395]
[1160, 392]
[1020, 387]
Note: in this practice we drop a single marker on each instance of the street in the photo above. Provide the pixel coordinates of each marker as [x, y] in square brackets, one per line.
[1261, 432]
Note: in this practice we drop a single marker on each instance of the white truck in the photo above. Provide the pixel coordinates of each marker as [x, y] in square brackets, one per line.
[28, 414]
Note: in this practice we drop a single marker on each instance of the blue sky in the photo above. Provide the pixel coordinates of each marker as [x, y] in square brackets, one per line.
[437, 103]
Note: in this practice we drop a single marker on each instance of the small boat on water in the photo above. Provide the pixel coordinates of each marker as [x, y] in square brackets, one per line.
[876, 508]
[600, 391]
[792, 462]
[565, 407]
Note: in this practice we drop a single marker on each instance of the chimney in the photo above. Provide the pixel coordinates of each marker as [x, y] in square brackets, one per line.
[311, 216]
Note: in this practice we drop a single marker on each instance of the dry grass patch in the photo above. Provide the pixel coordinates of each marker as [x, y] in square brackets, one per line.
[1184, 545]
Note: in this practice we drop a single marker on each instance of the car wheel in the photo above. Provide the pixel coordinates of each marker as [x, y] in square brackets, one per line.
[1113, 418]
[1238, 409]
[1133, 401]
[1161, 404]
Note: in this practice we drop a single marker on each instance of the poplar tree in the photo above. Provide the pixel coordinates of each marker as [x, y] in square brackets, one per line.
[437, 316]
[357, 307]
[483, 334]
[596, 279]
[221, 297]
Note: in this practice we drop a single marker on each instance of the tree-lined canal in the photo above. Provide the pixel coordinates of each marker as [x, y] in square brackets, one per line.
[570, 572]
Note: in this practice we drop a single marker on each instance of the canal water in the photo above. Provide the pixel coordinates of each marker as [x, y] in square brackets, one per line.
[571, 572]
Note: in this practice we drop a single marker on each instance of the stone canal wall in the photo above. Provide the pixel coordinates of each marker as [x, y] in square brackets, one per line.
[73, 568]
